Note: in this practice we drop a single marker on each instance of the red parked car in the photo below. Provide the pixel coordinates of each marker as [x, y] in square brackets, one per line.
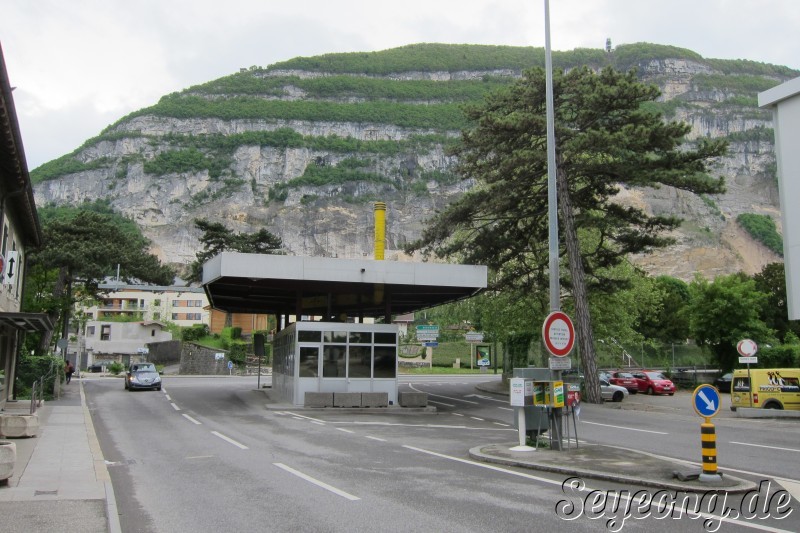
[624, 379]
[654, 382]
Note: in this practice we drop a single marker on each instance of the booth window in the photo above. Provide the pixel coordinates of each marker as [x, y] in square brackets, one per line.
[335, 336]
[360, 362]
[309, 362]
[360, 337]
[309, 336]
[385, 361]
[333, 361]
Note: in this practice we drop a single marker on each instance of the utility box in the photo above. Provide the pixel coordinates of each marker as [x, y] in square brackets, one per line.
[535, 414]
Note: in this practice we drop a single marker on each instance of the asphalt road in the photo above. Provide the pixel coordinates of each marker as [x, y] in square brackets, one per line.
[205, 454]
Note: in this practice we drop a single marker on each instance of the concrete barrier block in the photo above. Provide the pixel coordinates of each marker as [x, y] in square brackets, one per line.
[374, 399]
[318, 399]
[347, 399]
[8, 457]
[413, 399]
[18, 426]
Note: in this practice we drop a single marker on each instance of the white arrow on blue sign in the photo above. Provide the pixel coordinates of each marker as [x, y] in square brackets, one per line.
[706, 400]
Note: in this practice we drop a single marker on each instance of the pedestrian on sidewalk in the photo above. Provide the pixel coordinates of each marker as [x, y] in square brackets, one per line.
[69, 370]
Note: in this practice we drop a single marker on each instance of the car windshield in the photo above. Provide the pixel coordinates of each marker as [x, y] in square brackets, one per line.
[144, 368]
[655, 375]
[624, 375]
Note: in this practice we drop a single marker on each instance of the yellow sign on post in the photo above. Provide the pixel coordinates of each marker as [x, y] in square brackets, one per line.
[558, 394]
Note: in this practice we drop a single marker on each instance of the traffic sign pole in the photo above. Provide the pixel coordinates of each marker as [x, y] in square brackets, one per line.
[706, 402]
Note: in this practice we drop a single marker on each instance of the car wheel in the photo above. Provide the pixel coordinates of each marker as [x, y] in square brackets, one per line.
[158, 388]
[633, 391]
[650, 390]
[618, 396]
[671, 393]
[773, 405]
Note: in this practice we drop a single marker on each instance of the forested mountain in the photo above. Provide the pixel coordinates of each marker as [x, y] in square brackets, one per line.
[303, 147]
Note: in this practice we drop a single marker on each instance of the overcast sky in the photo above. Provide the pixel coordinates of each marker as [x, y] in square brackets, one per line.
[80, 65]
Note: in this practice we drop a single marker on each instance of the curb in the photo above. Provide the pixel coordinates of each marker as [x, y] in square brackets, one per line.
[741, 485]
[100, 469]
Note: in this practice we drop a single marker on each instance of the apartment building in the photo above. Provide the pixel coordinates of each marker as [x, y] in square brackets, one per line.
[183, 306]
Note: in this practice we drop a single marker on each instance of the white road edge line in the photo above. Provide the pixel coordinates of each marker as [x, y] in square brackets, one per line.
[230, 440]
[445, 397]
[167, 397]
[375, 438]
[175, 406]
[303, 416]
[764, 446]
[346, 430]
[317, 482]
[684, 509]
[192, 420]
[623, 427]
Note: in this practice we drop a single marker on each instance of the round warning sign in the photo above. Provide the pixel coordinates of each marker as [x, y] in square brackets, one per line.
[558, 334]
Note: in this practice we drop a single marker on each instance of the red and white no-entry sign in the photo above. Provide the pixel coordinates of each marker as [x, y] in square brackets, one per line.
[746, 348]
[558, 334]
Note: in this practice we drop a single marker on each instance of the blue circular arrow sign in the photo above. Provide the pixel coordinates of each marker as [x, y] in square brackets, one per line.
[706, 400]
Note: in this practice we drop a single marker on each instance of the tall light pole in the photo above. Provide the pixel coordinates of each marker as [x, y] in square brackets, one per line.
[552, 196]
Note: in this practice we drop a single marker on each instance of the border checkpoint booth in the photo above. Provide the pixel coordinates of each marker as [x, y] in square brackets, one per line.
[339, 356]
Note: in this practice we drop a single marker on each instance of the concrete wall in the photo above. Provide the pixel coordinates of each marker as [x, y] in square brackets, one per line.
[200, 360]
[164, 353]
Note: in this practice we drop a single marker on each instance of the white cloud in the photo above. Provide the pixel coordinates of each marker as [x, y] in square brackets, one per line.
[80, 66]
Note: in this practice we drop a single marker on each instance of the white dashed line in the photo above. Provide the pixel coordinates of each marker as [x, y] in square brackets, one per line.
[317, 482]
[175, 407]
[345, 430]
[376, 438]
[192, 420]
[230, 440]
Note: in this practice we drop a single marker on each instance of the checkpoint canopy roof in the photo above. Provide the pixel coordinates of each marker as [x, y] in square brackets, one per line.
[320, 286]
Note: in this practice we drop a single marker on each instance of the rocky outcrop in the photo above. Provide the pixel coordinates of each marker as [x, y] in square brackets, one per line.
[335, 219]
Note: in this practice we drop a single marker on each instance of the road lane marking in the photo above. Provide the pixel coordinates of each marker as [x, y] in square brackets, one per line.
[375, 438]
[200, 457]
[588, 490]
[230, 440]
[441, 403]
[457, 414]
[317, 482]
[175, 407]
[486, 398]
[445, 397]
[167, 397]
[476, 418]
[346, 430]
[623, 427]
[506, 408]
[318, 422]
[303, 416]
[501, 424]
[435, 426]
[192, 420]
[763, 446]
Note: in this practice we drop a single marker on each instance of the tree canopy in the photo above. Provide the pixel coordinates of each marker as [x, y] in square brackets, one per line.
[86, 245]
[606, 138]
[217, 238]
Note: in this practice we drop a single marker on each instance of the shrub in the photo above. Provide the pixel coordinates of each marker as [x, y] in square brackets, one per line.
[195, 332]
[116, 368]
[35, 368]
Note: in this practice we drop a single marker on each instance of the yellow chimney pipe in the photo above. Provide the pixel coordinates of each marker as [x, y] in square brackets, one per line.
[380, 229]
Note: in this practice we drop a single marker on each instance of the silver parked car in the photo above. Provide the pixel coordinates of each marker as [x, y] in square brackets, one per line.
[615, 393]
[142, 376]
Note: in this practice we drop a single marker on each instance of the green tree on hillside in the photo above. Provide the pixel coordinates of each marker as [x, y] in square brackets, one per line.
[775, 313]
[604, 138]
[83, 247]
[217, 238]
[725, 311]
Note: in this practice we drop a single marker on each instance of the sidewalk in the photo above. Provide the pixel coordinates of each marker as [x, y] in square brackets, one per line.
[60, 482]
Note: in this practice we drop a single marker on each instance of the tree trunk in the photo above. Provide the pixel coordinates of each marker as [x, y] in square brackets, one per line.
[583, 316]
[58, 294]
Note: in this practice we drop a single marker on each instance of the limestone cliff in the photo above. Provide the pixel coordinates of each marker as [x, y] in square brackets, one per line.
[309, 162]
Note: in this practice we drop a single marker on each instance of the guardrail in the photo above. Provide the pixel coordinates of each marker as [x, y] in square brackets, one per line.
[37, 388]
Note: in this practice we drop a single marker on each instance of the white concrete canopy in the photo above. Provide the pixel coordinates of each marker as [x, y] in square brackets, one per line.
[290, 285]
[785, 102]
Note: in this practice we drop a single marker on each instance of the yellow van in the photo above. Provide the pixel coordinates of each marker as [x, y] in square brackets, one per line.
[770, 388]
